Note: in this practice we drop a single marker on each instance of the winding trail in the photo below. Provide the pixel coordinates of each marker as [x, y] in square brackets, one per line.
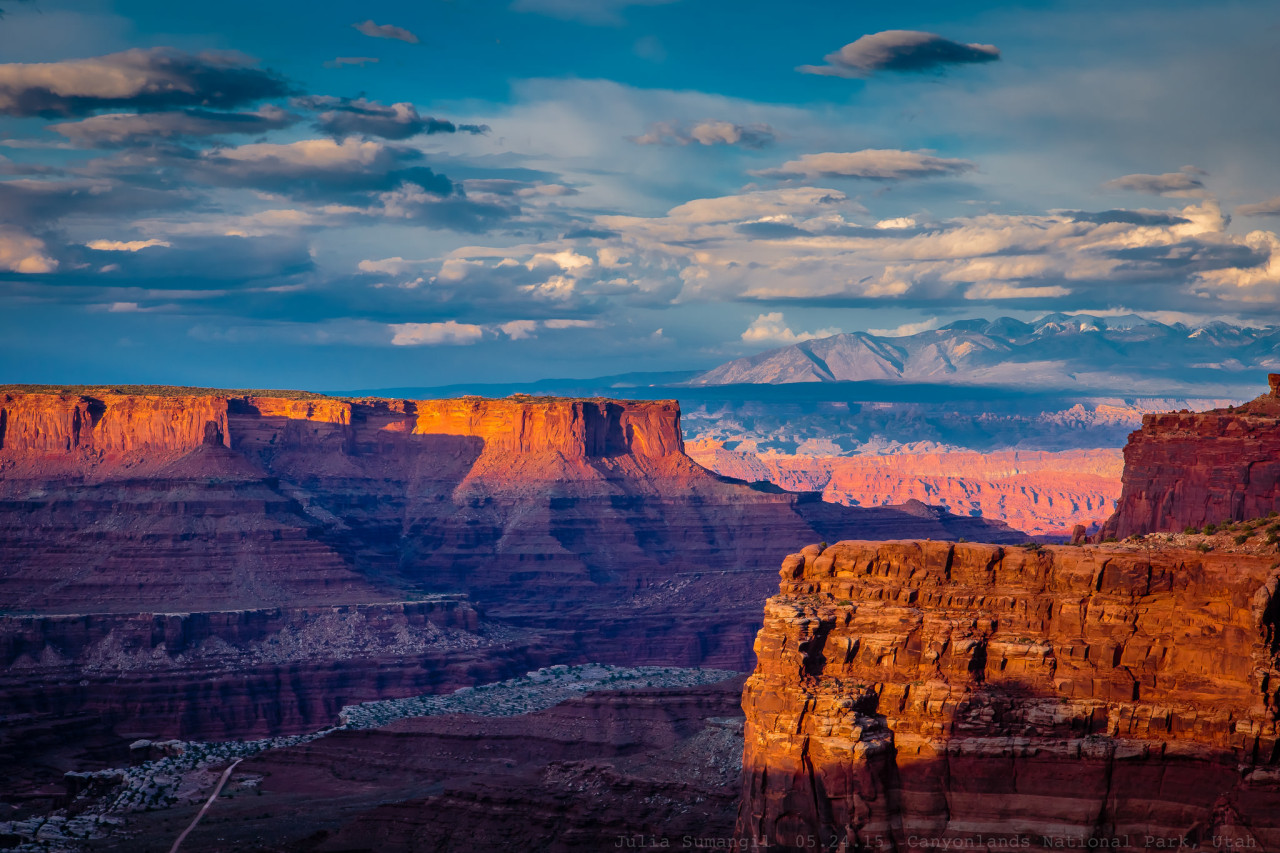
[217, 789]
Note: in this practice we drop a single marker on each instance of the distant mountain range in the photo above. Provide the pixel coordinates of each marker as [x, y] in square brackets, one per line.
[1082, 353]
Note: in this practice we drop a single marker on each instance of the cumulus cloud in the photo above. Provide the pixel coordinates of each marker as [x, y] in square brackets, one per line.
[343, 117]
[806, 244]
[708, 132]
[881, 164]
[599, 12]
[449, 333]
[322, 167]
[113, 129]
[772, 329]
[385, 31]
[453, 333]
[23, 253]
[1270, 207]
[1184, 183]
[900, 50]
[519, 330]
[140, 79]
[413, 202]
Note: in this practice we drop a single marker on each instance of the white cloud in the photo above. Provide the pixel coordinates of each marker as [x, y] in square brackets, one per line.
[21, 252]
[310, 154]
[991, 290]
[449, 333]
[772, 329]
[126, 245]
[897, 222]
[518, 330]
[906, 329]
[391, 266]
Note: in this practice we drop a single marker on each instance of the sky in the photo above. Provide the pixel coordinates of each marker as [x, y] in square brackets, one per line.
[332, 195]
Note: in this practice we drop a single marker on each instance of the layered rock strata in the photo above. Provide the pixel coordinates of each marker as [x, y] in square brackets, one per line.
[579, 529]
[924, 694]
[1190, 469]
[108, 501]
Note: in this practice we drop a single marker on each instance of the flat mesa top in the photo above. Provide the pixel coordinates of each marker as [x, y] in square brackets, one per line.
[162, 391]
[193, 391]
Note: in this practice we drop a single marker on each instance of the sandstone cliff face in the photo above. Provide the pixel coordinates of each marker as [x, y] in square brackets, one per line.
[1190, 469]
[914, 693]
[65, 427]
[106, 500]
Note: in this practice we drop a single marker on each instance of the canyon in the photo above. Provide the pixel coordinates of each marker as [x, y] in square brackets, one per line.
[914, 694]
[195, 563]
[1043, 493]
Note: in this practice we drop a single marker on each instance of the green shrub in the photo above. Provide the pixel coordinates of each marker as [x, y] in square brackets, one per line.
[1204, 547]
[1211, 528]
[1192, 531]
[1242, 538]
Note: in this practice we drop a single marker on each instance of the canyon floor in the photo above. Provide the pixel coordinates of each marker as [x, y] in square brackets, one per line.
[562, 759]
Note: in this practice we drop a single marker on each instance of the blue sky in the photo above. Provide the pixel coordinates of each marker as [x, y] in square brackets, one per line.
[338, 195]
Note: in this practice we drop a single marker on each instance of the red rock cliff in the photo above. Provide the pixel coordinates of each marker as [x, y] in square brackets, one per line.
[916, 694]
[75, 425]
[1190, 469]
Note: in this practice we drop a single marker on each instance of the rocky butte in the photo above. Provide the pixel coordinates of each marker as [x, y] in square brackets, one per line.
[221, 564]
[915, 695]
[1187, 469]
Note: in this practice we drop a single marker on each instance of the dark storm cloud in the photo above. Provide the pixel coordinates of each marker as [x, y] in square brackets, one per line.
[29, 202]
[902, 51]
[202, 262]
[1127, 217]
[1185, 258]
[1185, 183]
[121, 129]
[319, 168]
[194, 265]
[385, 31]
[361, 117]
[140, 79]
